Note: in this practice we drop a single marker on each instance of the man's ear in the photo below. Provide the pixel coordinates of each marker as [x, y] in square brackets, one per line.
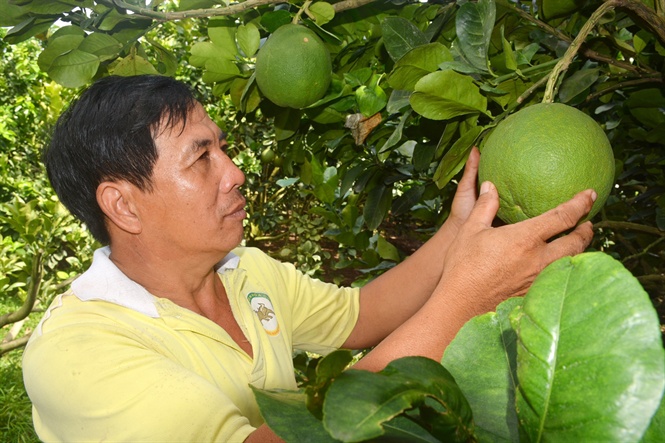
[115, 200]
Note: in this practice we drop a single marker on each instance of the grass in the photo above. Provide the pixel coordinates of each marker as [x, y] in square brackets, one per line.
[15, 407]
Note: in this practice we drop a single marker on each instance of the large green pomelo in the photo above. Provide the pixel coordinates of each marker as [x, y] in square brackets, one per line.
[293, 68]
[542, 156]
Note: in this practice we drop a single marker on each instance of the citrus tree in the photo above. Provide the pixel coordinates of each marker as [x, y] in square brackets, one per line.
[412, 86]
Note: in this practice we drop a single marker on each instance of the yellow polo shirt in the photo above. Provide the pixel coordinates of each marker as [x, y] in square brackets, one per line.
[111, 362]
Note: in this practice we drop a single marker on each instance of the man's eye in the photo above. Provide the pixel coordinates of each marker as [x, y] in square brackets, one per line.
[205, 156]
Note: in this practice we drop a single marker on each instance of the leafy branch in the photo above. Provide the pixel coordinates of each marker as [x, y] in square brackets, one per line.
[33, 290]
[654, 22]
[622, 225]
[585, 51]
[26, 308]
[236, 8]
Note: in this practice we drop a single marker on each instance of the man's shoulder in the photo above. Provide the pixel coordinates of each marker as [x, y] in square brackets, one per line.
[253, 257]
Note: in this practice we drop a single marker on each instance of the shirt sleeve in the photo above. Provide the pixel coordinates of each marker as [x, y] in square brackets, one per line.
[140, 395]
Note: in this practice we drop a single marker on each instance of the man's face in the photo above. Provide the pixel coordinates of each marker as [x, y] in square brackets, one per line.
[195, 205]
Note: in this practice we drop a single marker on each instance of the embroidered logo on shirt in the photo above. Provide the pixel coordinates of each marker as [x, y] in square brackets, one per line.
[262, 307]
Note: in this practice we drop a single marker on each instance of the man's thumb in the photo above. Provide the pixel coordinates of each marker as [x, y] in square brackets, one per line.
[487, 204]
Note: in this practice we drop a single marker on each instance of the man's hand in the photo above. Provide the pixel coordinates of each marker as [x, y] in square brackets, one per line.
[487, 265]
[467, 192]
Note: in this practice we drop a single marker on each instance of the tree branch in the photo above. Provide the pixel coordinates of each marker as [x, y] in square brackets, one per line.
[644, 251]
[585, 51]
[574, 47]
[628, 226]
[216, 12]
[651, 278]
[14, 344]
[33, 290]
[622, 85]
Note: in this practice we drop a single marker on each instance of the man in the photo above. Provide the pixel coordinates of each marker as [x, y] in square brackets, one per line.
[160, 339]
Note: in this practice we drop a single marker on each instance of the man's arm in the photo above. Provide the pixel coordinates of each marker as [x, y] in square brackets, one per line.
[483, 266]
[389, 300]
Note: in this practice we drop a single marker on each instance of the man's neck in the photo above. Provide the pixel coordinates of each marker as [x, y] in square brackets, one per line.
[187, 281]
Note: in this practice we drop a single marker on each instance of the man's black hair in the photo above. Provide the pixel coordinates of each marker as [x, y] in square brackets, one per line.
[108, 133]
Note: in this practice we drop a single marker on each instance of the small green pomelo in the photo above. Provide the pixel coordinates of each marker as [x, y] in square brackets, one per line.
[542, 156]
[293, 68]
[267, 155]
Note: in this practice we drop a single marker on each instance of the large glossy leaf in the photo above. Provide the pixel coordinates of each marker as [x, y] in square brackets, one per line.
[443, 95]
[590, 361]
[74, 69]
[559, 8]
[474, 23]
[377, 205]
[359, 403]
[455, 158]
[483, 359]
[401, 36]
[283, 409]
[656, 430]
[417, 63]
[248, 39]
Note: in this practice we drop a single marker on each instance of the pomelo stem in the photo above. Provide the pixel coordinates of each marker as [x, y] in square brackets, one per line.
[651, 18]
[305, 5]
[571, 52]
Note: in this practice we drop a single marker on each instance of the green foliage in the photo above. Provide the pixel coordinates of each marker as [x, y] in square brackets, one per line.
[415, 85]
[579, 357]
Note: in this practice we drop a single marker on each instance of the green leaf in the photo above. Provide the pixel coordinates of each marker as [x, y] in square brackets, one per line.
[74, 69]
[656, 429]
[401, 36]
[483, 358]
[248, 39]
[321, 12]
[186, 5]
[57, 47]
[133, 65]
[379, 199]
[359, 403]
[455, 158]
[11, 14]
[508, 54]
[329, 368]
[402, 429]
[590, 360]
[167, 63]
[274, 19]
[386, 250]
[558, 8]
[222, 33]
[396, 136]
[371, 99]
[474, 23]
[286, 123]
[443, 95]
[398, 100]
[283, 409]
[417, 63]
[406, 201]
[102, 45]
[219, 70]
[577, 83]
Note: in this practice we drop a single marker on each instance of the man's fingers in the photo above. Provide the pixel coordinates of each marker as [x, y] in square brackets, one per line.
[571, 244]
[486, 206]
[565, 216]
[468, 181]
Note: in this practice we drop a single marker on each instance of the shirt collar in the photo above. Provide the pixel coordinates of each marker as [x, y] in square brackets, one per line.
[105, 281]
